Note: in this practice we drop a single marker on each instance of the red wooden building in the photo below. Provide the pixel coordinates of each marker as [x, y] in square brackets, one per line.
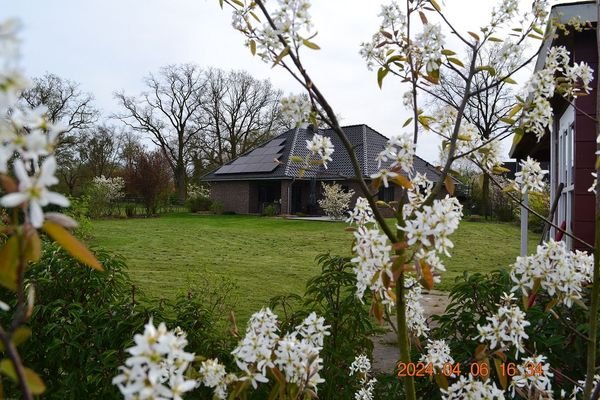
[570, 145]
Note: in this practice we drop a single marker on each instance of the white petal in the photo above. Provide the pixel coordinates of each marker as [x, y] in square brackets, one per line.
[13, 199]
[21, 173]
[36, 214]
[58, 199]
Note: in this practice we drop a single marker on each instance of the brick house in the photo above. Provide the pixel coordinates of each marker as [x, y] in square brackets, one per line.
[569, 145]
[265, 175]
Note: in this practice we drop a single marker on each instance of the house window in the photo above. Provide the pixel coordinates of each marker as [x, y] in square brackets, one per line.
[386, 194]
[564, 168]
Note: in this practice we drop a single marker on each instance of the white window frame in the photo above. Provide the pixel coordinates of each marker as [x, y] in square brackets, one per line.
[562, 169]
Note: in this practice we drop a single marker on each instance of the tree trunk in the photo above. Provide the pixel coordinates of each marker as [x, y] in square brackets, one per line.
[180, 183]
[485, 196]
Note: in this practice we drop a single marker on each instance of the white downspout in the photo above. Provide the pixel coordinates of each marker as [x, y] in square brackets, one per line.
[524, 221]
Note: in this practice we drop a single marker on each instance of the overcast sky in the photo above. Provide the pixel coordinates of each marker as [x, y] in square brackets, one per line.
[109, 45]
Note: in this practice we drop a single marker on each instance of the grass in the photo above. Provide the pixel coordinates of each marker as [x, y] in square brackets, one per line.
[265, 256]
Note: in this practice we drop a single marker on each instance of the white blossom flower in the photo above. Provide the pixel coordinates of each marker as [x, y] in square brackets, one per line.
[156, 366]
[33, 191]
[472, 388]
[437, 354]
[430, 43]
[415, 313]
[530, 178]
[384, 174]
[321, 146]
[506, 328]
[579, 388]
[557, 270]
[534, 377]
[296, 109]
[214, 376]
[361, 366]
[362, 213]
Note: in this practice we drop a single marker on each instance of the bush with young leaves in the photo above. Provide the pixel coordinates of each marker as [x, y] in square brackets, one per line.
[336, 200]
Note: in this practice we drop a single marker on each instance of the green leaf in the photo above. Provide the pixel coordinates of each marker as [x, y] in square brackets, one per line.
[238, 2]
[495, 39]
[408, 121]
[310, 44]
[20, 336]
[534, 36]
[456, 61]
[515, 110]
[71, 244]
[519, 133]
[9, 261]
[509, 80]
[509, 121]
[435, 5]
[297, 159]
[381, 73]
[474, 35]
[221, 4]
[283, 53]
[538, 30]
[487, 68]
[33, 381]
[448, 52]
[423, 18]
[253, 47]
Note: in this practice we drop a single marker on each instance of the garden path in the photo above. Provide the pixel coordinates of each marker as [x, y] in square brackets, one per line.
[385, 351]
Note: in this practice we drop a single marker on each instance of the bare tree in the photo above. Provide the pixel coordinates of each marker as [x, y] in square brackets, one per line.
[488, 110]
[64, 99]
[100, 149]
[241, 112]
[170, 112]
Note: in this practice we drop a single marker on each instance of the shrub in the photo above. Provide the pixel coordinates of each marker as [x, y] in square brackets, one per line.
[196, 204]
[331, 294]
[149, 177]
[336, 200]
[104, 193]
[217, 207]
[270, 210]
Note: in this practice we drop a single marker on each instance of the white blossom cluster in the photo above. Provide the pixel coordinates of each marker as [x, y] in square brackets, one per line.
[361, 214]
[415, 313]
[296, 109]
[533, 377]
[437, 354]
[556, 76]
[197, 191]
[361, 366]
[157, 365]
[111, 188]
[296, 354]
[506, 328]
[400, 150]
[420, 190]
[26, 133]
[392, 19]
[291, 20]
[557, 270]
[504, 13]
[432, 225]
[430, 43]
[322, 147]
[213, 375]
[579, 388]
[472, 388]
[372, 261]
[530, 177]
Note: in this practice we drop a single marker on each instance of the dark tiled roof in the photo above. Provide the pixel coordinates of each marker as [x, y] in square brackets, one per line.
[366, 141]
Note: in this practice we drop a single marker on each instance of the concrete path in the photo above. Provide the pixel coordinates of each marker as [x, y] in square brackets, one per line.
[385, 350]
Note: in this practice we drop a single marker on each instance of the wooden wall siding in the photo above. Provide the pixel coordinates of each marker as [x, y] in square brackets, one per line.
[584, 49]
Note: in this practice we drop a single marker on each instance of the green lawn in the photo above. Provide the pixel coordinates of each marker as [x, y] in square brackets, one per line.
[265, 256]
